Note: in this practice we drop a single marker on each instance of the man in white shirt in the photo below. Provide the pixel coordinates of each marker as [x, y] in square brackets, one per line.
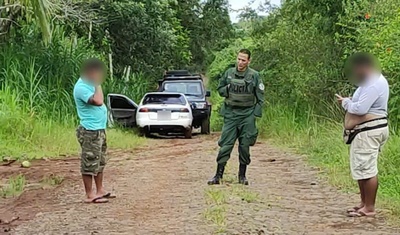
[366, 128]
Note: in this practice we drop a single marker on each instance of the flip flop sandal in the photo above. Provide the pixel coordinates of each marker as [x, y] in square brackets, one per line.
[354, 209]
[98, 200]
[370, 214]
[361, 214]
[108, 195]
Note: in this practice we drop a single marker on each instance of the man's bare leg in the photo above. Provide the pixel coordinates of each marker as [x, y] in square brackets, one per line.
[370, 190]
[361, 186]
[99, 184]
[87, 182]
[90, 195]
[101, 192]
[362, 197]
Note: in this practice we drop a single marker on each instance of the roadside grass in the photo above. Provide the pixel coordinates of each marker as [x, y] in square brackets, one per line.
[14, 187]
[48, 139]
[320, 139]
[29, 132]
[216, 119]
[37, 111]
[52, 180]
[123, 139]
[222, 199]
[245, 194]
[216, 199]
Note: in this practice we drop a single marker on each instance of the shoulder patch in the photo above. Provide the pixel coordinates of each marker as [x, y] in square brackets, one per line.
[261, 86]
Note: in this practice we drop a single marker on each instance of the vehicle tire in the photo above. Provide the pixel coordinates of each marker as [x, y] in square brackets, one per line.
[143, 132]
[188, 133]
[205, 126]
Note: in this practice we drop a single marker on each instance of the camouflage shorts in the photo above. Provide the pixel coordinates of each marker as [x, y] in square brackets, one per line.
[93, 150]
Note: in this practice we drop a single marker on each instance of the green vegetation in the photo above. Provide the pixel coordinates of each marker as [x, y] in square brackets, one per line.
[300, 50]
[215, 212]
[223, 199]
[52, 180]
[43, 43]
[321, 141]
[14, 187]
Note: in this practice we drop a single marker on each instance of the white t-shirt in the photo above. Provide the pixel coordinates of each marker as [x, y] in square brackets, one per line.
[369, 98]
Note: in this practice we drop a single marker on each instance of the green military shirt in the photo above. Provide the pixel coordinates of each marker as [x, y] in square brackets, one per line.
[224, 89]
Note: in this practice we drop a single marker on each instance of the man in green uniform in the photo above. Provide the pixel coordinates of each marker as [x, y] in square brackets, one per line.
[244, 97]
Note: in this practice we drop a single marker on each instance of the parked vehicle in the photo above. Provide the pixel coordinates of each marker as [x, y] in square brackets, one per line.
[192, 86]
[122, 110]
[158, 112]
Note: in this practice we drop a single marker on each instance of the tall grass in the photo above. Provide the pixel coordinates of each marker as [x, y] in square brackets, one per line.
[37, 111]
[133, 86]
[321, 140]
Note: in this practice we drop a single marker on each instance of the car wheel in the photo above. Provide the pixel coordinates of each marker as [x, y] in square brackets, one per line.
[143, 132]
[205, 126]
[188, 133]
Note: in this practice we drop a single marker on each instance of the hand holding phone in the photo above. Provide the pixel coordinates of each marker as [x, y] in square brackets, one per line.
[338, 96]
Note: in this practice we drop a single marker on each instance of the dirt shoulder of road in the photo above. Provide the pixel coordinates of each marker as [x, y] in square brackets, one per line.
[161, 188]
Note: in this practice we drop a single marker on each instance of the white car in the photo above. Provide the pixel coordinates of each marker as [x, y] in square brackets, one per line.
[158, 112]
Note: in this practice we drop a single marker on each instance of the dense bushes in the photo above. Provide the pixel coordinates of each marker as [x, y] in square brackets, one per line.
[37, 111]
[45, 42]
[376, 30]
[300, 50]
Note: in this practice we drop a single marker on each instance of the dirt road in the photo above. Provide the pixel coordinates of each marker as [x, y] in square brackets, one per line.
[161, 189]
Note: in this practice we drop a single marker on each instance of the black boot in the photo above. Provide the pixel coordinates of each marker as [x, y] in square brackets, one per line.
[218, 176]
[242, 174]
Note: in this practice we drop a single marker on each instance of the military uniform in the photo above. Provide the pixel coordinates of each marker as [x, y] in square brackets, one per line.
[244, 98]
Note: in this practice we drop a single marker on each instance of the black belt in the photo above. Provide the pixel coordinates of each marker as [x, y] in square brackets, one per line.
[239, 107]
[100, 130]
[349, 135]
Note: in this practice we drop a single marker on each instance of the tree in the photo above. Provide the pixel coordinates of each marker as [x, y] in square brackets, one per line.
[212, 32]
[40, 10]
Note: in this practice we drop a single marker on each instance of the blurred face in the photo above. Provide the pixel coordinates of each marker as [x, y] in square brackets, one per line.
[97, 76]
[361, 66]
[360, 73]
[242, 61]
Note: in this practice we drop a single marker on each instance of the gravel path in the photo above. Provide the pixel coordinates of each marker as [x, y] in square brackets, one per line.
[161, 189]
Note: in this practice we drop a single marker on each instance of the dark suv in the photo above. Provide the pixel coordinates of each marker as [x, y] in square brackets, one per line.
[192, 86]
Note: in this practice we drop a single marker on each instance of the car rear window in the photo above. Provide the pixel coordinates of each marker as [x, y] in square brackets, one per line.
[164, 99]
[187, 88]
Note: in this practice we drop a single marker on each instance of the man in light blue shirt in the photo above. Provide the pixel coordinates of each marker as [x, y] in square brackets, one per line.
[91, 133]
[366, 128]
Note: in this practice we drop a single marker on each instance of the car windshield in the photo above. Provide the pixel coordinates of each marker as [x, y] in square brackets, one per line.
[164, 99]
[187, 88]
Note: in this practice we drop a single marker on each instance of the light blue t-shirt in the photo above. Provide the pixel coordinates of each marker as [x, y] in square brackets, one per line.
[91, 117]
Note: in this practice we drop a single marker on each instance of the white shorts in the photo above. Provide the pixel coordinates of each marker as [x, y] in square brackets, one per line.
[364, 150]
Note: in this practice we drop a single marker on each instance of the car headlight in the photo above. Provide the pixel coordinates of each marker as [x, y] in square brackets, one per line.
[201, 105]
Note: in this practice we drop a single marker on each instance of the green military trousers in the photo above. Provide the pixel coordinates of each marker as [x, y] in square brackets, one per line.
[238, 124]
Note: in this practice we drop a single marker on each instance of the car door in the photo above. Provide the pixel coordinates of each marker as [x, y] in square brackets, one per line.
[122, 110]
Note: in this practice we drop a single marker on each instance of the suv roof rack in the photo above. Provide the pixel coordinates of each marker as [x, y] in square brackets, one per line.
[177, 73]
[180, 75]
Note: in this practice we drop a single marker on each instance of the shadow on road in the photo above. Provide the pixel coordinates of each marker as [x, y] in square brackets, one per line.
[169, 136]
